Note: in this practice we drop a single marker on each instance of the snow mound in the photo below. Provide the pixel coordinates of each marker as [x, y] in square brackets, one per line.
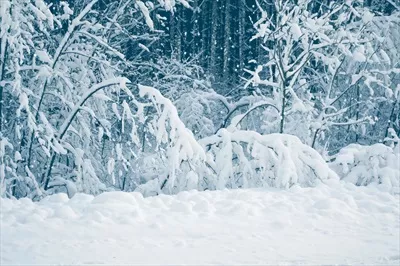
[369, 165]
[333, 223]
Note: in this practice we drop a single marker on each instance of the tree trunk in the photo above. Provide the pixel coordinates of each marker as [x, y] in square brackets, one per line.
[241, 30]
[214, 31]
[3, 59]
[227, 39]
[282, 124]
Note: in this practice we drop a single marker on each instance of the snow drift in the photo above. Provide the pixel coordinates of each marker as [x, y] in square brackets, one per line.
[334, 223]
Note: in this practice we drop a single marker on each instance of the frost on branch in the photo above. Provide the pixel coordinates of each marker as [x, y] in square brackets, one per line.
[243, 159]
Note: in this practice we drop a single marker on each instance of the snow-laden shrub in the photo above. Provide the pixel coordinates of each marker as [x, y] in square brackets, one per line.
[195, 111]
[364, 165]
[242, 159]
[245, 159]
[189, 88]
[175, 144]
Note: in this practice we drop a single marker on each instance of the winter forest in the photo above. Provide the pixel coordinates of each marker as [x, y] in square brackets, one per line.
[175, 96]
[166, 96]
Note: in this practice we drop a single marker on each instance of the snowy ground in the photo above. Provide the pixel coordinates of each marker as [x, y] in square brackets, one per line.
[335, 224]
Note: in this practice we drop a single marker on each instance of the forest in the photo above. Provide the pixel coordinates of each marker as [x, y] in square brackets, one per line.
[165, 96]
[199, 132]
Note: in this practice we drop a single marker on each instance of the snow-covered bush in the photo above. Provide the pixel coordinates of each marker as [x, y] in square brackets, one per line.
[174, 143]
[189, 89]
[364, 165]
[242, 159]
[196, 112]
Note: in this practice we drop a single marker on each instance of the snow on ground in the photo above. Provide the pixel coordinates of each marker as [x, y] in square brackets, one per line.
[330, 224]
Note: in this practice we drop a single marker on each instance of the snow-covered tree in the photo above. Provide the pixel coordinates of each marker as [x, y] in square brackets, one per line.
[320, 62]
[72, 122]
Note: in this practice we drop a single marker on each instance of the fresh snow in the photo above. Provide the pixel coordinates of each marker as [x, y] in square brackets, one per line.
[333, 223]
